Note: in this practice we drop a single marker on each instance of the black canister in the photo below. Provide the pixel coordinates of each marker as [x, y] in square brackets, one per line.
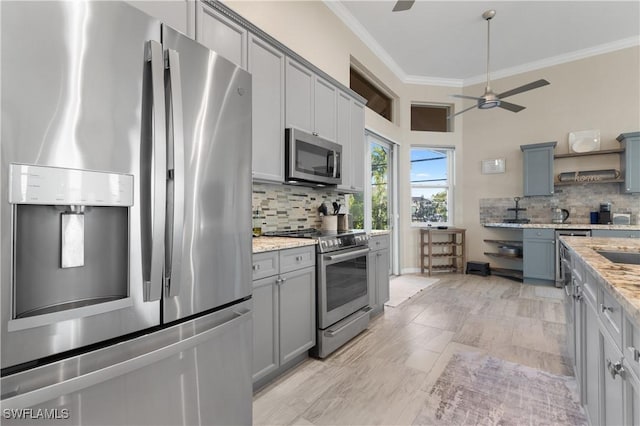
[604, 217]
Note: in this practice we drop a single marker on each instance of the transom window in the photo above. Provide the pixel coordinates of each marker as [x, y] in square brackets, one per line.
[431, 186]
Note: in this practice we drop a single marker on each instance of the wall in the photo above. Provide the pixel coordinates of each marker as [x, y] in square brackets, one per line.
[601, 92]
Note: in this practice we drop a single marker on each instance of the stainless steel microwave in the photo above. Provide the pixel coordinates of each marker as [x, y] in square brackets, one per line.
[311, 159]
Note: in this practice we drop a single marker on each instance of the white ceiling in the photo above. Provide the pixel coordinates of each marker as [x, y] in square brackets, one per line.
[444, 42]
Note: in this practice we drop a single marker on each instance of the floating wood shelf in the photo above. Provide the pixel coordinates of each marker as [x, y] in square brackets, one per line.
[504, 256]
[585, 154]
[573, 182]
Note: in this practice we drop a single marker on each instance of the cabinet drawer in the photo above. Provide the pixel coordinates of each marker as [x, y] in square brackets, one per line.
[541, 234]
[297, 258]
[615, 233]
[611, 315]
[631, 347]
[379, 242]
[265, 264]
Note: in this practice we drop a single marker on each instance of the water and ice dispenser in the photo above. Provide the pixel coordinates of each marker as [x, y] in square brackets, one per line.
[70, 238]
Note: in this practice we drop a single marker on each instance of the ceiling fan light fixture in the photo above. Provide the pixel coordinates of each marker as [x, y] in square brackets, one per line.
[488, 104]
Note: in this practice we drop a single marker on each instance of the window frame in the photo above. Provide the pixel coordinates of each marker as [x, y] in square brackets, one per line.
[450, 186]
[448, 108]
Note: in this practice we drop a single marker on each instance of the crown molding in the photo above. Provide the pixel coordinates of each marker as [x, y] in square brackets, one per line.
[556, 60]
[433, 81]
[356, 27]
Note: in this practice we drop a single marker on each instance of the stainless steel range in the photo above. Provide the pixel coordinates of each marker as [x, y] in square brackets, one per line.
[342, 265]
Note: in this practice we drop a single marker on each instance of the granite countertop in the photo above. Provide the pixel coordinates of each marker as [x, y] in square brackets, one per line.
[376, 232]
[262, 244]
[560, 226]
[622, 280]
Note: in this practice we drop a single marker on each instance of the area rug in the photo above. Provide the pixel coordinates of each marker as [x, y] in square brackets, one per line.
[404, 287]
[477, 389]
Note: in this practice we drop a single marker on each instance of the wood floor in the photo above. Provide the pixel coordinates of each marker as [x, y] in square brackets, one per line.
[383, 375]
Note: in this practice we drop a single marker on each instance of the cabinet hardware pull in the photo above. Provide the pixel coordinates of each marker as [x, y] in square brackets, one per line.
[615, 369]
[635, 352]
[256, 267]
[605, 308]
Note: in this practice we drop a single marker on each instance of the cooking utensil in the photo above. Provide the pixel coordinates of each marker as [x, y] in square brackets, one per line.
[323, 210]
[336, 208]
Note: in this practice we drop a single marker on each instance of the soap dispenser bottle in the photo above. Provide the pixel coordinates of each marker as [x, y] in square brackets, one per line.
[257, 223]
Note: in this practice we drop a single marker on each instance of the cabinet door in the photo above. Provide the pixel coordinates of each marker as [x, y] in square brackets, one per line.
[265, 327]
[221, 35]
[630, 162]
[178, 14]
[299, 96]
[297, 311]
[324, 109]
[266, 65]
[343, 137]
[539, 259]
[612, 385]
[373, 282]
[382, 276]
[579, 342]
[538, 168]
[632, 399]
[357, 146]
[591, 356]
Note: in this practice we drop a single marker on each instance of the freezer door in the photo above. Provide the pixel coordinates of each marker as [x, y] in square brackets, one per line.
[75, 77]
[210, 179]
[195, 373]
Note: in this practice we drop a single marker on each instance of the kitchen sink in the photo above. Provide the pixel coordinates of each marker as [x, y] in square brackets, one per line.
[622, 257]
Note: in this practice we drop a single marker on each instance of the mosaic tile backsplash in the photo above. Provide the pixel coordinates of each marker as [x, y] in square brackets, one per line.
[283, 207]
[578, 199]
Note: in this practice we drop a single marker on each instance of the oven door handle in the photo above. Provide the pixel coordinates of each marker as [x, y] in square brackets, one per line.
[350, 255]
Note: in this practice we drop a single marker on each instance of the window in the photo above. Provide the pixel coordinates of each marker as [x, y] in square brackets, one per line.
[431, 185]
[377, 100]
[430, 118]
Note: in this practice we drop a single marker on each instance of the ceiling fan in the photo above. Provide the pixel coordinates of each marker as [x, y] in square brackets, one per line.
[490, 99]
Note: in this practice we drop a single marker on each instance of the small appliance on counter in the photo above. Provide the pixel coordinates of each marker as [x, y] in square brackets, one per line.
[604, 216]
[621, 219]
[559, 215]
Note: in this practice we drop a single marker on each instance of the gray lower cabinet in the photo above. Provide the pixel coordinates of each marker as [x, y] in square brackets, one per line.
[538, 168]
[609, 351]
[284, 308]
[539, 254]
[630, 161]
[378, 273]
[615, 233]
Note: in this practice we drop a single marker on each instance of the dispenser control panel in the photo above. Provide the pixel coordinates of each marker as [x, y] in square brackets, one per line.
[29, 184]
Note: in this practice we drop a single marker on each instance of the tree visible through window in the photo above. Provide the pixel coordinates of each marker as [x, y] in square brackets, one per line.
[431, 185]
[380, 164]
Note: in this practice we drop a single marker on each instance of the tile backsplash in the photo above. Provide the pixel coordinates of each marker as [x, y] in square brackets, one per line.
[578, 199]
[291, 207]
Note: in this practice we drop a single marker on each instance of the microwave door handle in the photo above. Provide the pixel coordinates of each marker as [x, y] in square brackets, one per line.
[336, 164]
[154, 216]
[175, 204]
[329, 156]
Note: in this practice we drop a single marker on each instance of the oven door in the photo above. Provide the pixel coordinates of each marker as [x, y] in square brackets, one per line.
[342, 284]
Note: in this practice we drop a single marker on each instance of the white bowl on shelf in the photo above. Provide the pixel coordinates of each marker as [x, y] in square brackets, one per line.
[584, 141]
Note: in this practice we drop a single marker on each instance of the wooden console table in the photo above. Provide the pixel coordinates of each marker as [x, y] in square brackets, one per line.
[451, 249]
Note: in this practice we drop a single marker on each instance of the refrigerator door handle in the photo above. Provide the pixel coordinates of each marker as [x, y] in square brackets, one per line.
[80, 382]
[175, 182]
[153, 226]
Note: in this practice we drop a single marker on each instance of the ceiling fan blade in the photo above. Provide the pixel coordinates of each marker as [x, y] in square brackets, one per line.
[529, 86]
[467, 97]
[511, 107]
[464, 110]
[403, 5]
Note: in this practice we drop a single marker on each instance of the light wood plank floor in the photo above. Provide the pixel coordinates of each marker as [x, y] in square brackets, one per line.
[383, 375]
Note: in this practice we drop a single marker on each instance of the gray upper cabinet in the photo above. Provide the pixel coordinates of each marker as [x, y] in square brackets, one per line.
[310, 101]
[324, 108]
[351, 136]
[299, 96]
[538, 168]
[266, 65]
[178, 14]
[221, 35]
[630, 161]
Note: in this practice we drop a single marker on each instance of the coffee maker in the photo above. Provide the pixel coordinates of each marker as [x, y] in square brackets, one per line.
[604, 216]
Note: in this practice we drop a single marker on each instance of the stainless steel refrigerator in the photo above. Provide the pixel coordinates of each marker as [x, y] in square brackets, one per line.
[125, 292]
